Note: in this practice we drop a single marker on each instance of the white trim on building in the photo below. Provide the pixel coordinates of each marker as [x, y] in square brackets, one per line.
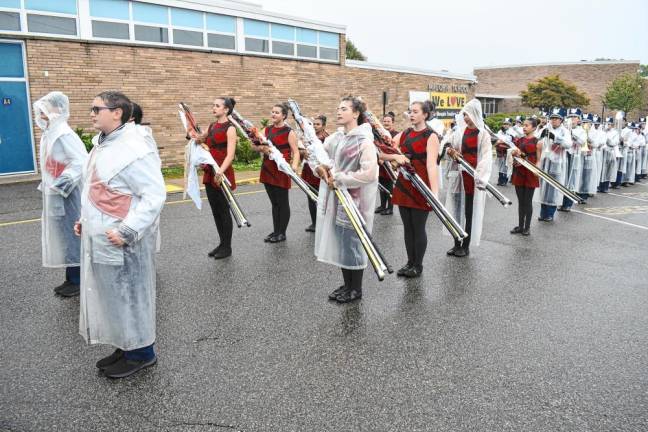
[582, 62]
[403, 69]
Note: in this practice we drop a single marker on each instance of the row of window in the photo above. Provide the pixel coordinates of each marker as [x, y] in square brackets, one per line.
[128, 20]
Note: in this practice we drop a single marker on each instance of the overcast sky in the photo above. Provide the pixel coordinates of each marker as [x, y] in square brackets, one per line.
[459, 35]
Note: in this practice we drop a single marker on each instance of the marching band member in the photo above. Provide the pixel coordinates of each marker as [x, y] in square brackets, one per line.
[277, 184]
[355, 168]
[644, 164]
[500, 152]
[319, 124]
[220, 137]
[587, 184]
[526, 182]
[554, 161]
[640, 150]
[420, 147]
[596, 140]
[574, 161]
[62, 158]
[386, 206]
[622, 158]
[466, 197]
[609, 156]
[122, 198]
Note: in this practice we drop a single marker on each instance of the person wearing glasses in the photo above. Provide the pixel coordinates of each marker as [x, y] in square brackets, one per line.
[123, 195]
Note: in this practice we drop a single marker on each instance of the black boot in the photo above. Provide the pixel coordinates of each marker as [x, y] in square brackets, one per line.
[223, 252]
[456, 247]
[349, 295]
[111, 359]
[214, 251]
[336, 292]
[402, 270]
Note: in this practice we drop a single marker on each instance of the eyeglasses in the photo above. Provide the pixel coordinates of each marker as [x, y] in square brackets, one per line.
[96, 109]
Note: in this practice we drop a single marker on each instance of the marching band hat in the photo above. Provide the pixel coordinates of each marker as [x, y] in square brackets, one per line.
[557, 113]
[574, 112]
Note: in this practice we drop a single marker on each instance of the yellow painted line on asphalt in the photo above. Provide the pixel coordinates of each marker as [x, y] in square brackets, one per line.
[173, 188]
[4, 224]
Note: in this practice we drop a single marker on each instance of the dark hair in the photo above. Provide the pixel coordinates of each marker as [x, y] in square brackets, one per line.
[427, 107]
[533, 121]
[228, 102]
[284, 109]
[137, 114]
[391, 115]
[115, 99]
[321, 118]
[357, 105]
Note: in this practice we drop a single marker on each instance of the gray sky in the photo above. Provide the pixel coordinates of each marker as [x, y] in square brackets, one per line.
[459, 35]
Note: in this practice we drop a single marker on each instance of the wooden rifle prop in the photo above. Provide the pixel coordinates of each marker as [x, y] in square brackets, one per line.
[534, 169]
[189, 123]
[249, 130]
[410, 174]
[319, 155]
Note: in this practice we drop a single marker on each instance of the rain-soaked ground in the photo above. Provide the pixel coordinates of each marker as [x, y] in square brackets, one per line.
[544, 333]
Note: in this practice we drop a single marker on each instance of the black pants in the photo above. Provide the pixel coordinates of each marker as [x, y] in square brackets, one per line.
[280, 208]
[352, 279]
[222, 217]
[525, 206]
[468, 213]
[312, 208]
[385, 200]
[415, 236]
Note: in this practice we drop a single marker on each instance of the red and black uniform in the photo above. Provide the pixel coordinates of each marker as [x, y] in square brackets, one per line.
[270, 174]
[307, 173]
[382, 172]
[413, 144]
[525, 182]
[522, 176]
[386, 203]
[217, 142]
[469, 147]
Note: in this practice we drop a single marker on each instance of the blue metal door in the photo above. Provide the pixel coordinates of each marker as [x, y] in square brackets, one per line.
[16, 142]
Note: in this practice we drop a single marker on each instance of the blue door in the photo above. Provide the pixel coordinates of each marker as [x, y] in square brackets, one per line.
[16, 143]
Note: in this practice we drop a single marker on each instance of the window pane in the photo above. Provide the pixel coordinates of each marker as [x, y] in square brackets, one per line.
[256, 45]
[328, 53]
[110, 30]
[150, 13]
[186, 18]
[50, 24]
[10, 4]
[283, 32]
[109, 9]
[151, 34]
[9, 21]
[331, 40]
[256, 28]
[307, 36]
[221, 41]
[221, 23]
[283, 48]
[307, 51]
[185, 37]
[11, 65]
[61, 6]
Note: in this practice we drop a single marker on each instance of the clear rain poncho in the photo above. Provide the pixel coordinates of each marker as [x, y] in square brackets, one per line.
[597, 140]
[455, 194]
[554, 162]
[575, 167]
[610, 151]
[589, 164]
[354, 167]
[123, 190]
[62, 158]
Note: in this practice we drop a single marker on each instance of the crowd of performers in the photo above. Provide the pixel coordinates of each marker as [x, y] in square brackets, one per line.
[101, 210]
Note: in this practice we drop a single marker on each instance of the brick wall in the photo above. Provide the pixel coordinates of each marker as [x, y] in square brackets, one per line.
[158, 78]
[592, 79]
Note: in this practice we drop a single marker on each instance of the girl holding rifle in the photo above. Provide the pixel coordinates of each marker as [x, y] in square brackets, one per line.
[319, 124]
[220, 137]
[416, 143]
[386, 203]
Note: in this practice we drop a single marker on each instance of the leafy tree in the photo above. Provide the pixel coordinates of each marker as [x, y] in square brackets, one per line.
[551, 91]
[86, 138]
[625, 93]
[643, 70]
[494, 121]
[353, 53]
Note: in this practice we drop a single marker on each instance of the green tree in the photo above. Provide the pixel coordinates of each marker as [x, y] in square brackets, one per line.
[643, 70]
[353, 53]
[551, 91]
[495, 121]
[85, 137]
[625, 93]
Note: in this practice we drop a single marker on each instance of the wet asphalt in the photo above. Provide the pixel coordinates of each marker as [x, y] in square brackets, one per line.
[539, 333]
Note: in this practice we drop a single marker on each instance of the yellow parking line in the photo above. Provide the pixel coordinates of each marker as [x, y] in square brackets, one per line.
[3, 224]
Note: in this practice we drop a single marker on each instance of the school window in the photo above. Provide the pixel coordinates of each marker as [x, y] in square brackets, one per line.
[151, 34]
[221, 31]
[283, 39]
[9, 21]
[257, 34]
[113, 19]
[329, 46]
[306, 43]
[39, 19]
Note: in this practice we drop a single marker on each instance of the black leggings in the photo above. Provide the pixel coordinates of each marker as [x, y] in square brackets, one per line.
[385, 200]
[352, 279]
[415, 236]
[312, 208]
[525, 206]
[470, 199]
[222, 217]
[280, 207]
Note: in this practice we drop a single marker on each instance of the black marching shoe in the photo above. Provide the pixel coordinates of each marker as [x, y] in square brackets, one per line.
[268, 237]
[213, 252]
[516, 230]
[387, 212]
[564, 209]
[277, 238]
[310, 228]
[349, 295]
[526, 232]
[336, 292]
[125, 367]
[413, 272]
[379, 209]
[402, 270]
[70, 290]
[59, 288]
[223, 252]
[111, 359]
[454, 250]
[462, 252]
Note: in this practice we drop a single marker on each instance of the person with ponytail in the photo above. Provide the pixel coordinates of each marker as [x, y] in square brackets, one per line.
[278, 184]
[420, 147]
[319, 124]
[221, 139]
[386, 206]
